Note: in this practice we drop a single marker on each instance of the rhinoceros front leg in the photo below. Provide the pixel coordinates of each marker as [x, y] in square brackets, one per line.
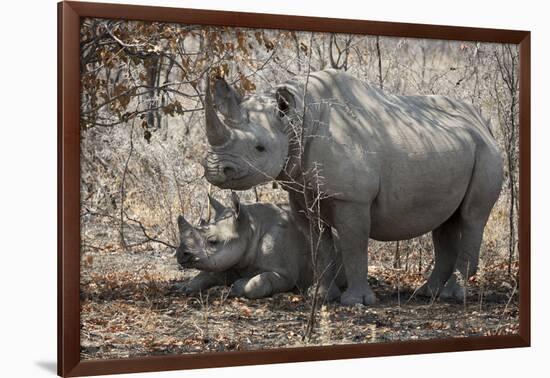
[201, 282]
[327, 267]
[352, 221]
[327, 258]
[261, 285]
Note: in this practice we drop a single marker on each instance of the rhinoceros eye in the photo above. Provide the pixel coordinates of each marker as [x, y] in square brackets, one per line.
[260, 148]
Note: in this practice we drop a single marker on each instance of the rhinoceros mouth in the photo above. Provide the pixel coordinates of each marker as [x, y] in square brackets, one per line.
[189, 261]
[236, 181]
[233, 183]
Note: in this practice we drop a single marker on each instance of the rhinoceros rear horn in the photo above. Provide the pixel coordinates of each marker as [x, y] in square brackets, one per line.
[217, 208]
[227, 101]
[182, 223]
[216, 131]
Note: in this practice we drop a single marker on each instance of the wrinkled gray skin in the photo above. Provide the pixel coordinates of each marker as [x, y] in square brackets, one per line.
[395, 167]
[256, 249]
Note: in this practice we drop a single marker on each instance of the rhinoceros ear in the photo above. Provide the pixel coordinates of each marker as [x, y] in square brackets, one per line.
[227, 100]
[217, 208]
[182, 223]
[285, 101]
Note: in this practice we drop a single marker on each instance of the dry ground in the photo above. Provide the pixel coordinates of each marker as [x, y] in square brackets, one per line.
[128, 310]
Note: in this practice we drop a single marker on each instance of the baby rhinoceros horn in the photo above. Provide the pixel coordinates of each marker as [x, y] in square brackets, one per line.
[217, 208]
[183, 224]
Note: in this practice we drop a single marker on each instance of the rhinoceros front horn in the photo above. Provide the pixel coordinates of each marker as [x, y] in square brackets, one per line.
[216, 131]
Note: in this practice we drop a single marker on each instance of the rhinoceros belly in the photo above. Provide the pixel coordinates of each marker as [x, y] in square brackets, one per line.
[418, 192]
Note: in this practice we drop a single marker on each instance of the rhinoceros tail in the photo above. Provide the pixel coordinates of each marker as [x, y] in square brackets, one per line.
[485, 122]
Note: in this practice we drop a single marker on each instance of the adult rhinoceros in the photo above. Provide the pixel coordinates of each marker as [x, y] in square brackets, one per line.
[393, 167]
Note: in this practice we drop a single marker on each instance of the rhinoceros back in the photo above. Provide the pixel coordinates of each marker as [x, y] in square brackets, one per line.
[335, 99]
[396, 149]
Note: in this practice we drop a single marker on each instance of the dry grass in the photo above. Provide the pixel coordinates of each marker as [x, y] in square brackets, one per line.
[127, 310]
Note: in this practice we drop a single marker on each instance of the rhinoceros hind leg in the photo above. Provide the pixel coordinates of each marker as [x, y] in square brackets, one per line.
[445, 239]
[458, 240]
[456, 244]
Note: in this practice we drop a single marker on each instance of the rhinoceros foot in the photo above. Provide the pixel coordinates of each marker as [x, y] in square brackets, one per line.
[456, 292]
[325, 294]
[453, 289]
[360, 295]
[427, 290]
[237, 289]
[183, 288]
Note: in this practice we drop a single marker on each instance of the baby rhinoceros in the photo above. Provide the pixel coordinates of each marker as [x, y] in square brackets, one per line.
[257, 249]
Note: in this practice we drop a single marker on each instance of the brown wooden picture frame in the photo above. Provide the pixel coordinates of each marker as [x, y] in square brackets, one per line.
[69, 15]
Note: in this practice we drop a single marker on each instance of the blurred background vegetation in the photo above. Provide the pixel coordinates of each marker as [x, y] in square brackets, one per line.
[142, 123]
